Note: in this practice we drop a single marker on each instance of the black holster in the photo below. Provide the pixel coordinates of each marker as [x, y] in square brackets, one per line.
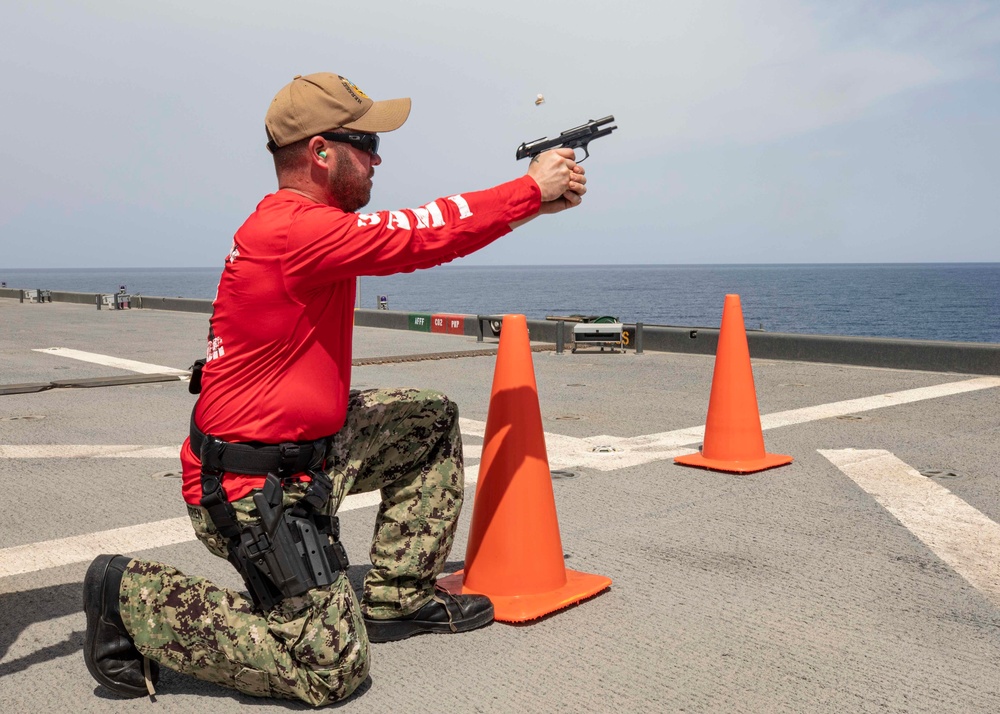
[289, 550]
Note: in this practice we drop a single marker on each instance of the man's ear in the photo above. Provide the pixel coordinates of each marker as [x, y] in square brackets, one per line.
[318, 150]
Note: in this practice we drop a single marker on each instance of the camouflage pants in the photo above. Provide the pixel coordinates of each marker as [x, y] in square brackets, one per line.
[405, 443]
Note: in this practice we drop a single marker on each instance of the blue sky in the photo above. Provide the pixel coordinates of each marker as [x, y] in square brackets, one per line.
[749, 132]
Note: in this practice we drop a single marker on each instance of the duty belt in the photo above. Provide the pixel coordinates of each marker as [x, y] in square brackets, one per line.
[257, 459]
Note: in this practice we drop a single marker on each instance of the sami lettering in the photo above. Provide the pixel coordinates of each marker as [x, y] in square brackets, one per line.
[397, 218]
[429, 216]
[463, 206]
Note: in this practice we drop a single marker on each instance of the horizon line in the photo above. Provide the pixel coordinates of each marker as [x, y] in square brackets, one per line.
[544, 265]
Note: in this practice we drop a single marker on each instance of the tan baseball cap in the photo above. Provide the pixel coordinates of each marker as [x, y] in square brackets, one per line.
[316, 103]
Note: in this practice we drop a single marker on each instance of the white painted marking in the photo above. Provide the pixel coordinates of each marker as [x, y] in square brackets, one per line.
[879, 401]
[88, 451]
[32, 557]
[568, 451]
[84, 548]
[680, 437]
[108, 361]
[563, 452]
[960, 535]
[471, 427]
[574, 452]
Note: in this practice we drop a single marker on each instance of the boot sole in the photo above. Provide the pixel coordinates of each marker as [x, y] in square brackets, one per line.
[392, 630]
[93, 608]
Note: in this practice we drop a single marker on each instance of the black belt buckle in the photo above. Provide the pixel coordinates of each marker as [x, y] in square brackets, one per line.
[289, 454]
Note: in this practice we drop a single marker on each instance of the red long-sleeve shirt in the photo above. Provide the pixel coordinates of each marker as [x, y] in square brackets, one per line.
[279, 351]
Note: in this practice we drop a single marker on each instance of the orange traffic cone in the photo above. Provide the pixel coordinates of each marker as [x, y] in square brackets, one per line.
[515, 555]
[733, 438]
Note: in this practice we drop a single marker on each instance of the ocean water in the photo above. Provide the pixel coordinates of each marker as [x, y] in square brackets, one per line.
[943, 301]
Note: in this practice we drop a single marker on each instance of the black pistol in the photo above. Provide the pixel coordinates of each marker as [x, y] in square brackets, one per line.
[575, 138]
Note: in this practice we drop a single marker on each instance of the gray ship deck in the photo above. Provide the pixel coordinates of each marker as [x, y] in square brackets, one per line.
[844, 582]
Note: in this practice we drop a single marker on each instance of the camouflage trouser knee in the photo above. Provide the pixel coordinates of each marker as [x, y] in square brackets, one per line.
[405, 443]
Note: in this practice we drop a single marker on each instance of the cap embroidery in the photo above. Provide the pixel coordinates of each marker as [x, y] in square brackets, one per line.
[353, 90]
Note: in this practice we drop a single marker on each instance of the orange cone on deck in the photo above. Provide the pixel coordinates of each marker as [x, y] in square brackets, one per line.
[733, 441]
[515, 554]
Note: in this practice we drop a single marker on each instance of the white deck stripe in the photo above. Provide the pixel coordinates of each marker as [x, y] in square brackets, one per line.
[568, 451]
[563, 451]
[108, 361]
[692, 435]
[88, 451]
[574, 452]
[123, 451]
[471, 427]
[632, 451]
[960, 535]
[31, 557]
[28, 558]
[879, 401]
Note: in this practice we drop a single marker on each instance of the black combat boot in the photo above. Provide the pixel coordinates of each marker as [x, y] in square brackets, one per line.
[444, 612]
[108, 649]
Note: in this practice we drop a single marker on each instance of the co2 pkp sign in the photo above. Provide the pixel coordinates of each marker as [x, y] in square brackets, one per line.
[446, 324]
[449, 324]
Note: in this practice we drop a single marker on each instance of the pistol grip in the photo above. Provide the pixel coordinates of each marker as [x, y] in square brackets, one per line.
[270, 514]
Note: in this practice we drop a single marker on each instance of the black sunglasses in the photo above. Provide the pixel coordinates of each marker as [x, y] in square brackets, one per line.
[364, 142]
